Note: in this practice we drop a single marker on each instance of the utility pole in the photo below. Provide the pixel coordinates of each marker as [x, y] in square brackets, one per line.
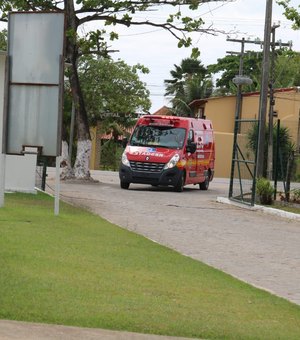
[271, 109]
[272, 100]
[264, 91]
[239, 86]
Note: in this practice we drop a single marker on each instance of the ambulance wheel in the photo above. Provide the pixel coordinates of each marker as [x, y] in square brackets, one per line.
[124, 185]
[204, 185]
[180, 184]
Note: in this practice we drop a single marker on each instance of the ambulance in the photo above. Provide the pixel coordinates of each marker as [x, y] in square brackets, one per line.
[169, 151]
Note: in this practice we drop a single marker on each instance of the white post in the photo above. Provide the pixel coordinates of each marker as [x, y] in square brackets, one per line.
[57, 186]
[2, 179]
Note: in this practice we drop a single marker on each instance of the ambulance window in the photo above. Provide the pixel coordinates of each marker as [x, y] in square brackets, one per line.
[191, 136]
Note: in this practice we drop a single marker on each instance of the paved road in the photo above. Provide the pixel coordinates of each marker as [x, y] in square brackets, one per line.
[254, 246]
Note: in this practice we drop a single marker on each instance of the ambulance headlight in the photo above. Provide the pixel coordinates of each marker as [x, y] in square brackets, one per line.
[172, 162]
[125, 160]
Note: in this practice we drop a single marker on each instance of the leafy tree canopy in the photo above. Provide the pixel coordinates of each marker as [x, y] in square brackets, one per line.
[3, 40]
[112, 13]
[190, 81]
[112, 88]
[291, 12]
[106, 14]
[286, 71]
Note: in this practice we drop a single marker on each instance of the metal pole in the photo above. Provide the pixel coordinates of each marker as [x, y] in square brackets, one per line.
[2, 179]
[264, 91]
[57, 186]
[237, 117]
[276, 159]
[71, 132]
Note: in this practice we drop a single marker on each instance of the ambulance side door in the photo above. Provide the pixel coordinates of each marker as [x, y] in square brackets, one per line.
[200, 154]
[191, 169]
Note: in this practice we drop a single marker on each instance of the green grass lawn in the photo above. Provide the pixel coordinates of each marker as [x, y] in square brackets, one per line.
[78, 269]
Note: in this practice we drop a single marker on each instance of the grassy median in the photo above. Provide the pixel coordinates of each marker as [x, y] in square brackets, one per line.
[78, 269]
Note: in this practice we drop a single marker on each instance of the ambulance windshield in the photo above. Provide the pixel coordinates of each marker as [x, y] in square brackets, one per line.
[158, 136]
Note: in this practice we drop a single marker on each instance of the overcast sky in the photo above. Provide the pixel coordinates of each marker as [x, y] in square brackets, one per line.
[158, 50]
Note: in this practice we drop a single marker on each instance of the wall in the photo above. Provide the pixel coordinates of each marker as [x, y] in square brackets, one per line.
[20, 173]
[221, 111]
[224, 146]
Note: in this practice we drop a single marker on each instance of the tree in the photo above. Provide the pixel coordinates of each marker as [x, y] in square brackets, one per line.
[190, 81]
[286, 71]
[291, 13]
[112, 88]
[3, 40]
[113, 94]
[108, 13]
[284, 141]
[228, 67]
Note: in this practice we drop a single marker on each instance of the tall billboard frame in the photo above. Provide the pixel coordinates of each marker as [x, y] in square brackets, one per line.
[34, 100]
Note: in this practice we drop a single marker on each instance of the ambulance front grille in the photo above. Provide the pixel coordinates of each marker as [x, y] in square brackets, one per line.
[147, 166]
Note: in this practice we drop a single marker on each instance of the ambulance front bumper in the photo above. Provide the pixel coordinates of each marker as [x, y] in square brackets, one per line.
[152, 177]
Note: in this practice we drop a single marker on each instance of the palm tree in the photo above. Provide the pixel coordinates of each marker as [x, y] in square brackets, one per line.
[189, 81]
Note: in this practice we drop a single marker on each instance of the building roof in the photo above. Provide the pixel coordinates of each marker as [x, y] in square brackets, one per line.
[163, 111]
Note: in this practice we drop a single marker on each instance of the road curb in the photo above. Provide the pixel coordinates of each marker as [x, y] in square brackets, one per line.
[272, 211]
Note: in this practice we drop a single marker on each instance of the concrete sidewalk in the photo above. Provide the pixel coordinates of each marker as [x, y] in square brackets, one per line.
[17, 330]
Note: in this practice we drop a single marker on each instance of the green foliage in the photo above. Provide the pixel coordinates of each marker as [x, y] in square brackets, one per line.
[291, 13]
[295, 195]
[3, 40]
[286, 71]
[111, 152]
[189, 81]
[264, 190]
[78, 269]
[228, 66]
[112, 88]
[285, 144]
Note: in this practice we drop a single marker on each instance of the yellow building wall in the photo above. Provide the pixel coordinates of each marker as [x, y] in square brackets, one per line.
[221, 112]
[96, 148]
[93, 132]
[224, 146]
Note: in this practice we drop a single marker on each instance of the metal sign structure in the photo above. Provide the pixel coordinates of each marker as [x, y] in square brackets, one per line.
[35, 82]
[2, 155]
[32, 116]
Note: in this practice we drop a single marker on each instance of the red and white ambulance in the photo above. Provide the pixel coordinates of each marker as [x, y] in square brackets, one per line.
[169, 151]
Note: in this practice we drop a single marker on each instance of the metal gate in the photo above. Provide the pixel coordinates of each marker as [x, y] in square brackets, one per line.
[243, 166]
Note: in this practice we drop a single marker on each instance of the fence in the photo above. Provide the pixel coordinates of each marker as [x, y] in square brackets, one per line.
[41, 173]
[243, 168]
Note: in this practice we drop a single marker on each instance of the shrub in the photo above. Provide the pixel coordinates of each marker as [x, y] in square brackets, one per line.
[296, 195]
[265, 191]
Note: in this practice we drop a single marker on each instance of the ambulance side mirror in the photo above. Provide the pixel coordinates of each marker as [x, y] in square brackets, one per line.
[124, 142]
[191, 147]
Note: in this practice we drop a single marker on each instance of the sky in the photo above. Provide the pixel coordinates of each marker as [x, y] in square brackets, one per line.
[157, 49]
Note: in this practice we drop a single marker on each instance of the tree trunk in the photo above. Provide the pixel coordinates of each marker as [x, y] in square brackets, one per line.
[83, 133]
[66, 168]
[82, 163]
